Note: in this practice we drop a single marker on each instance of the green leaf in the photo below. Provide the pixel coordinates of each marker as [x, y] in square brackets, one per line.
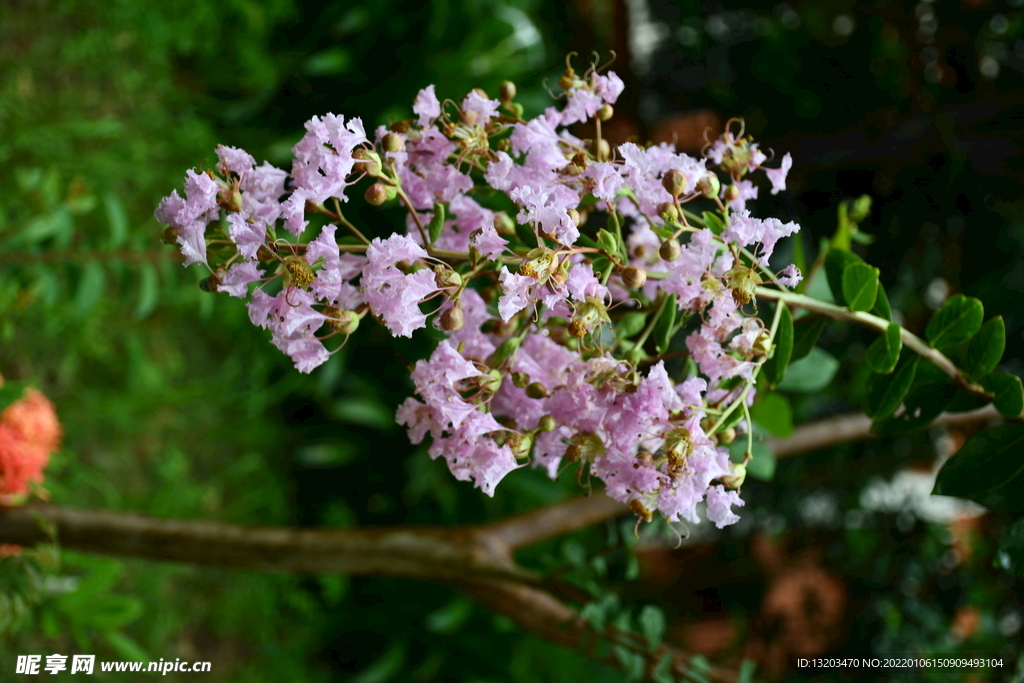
[117, 219]
[957, 321]
[630, 324]
[746, 673]
[713, 222]
[774, 413]
[805, 336]
[860, 286]
[881, 307]
[886, 392]
[836, 262]
[662, 673]
[925, 401]
[774, 369]
[988, 469]
[1010, 555]
[436, 224]
[1008, 393]
[663, 232]
[90, 287]
[11, 392]
[148, 290]
[632, 662]
[986, 349]
[664, 328]
[504, 352]
[883, 353]
[762, 463]
[811, 373]
[652, 625]
[125, 646]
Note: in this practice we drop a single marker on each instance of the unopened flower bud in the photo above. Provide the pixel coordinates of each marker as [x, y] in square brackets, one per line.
[507, 91]
[367, 161]
[605, 112]
[210, 284]
[504, 145]
[736, 479]
[861, 209]
[520, 379]
[446, 277]
[536, 390]
[572, 170]
[727, 436]
[503, 224]
[231, 198]
[574, 216]
[763, 344]
[170, 235]
[341, 321]
[547, 424]
[633, 277]
[602, 150]
[452, 319]
[392, 142]
[732, 193]
[668, 212]
[710, 186]
[520, 444]
[377, 194]
[675, 182]
[401, 126]
[669, 250]
[490, 381]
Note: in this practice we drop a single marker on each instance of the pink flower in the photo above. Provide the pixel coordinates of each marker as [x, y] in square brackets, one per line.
[323, 157]
[777, 176]
[426, 107]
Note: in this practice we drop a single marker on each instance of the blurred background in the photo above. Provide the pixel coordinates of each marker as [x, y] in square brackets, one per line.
[174, 405]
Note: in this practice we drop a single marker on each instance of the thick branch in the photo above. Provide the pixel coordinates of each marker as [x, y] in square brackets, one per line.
[425, 553]
[842, 429]
[554, 520]
[910, 340]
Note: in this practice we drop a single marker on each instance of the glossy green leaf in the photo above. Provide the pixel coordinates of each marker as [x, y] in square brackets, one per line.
[774, 413]
[860, 286]
[652, 625]
[886, 392]
[662, 673]
[90, 287]
[812, 373]
[988, 469]
[436, 224]
[1010, 555]
[805, 336]
[881, 307]
[925, 401]
[630, 324]
[774, 369]
[986, 349]
[713, 222]
[957, 321]
[763, 462]
[117, 219]
[1008, 393]
[884, 352]
[836, 262]
[665, 326]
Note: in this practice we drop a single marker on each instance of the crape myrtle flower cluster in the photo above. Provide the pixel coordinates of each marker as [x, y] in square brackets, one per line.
[556, 269]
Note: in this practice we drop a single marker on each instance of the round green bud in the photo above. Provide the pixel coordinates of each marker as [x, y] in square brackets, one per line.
[669, 250]
[392, 142]
[507, 91]
[668, 212]
[536, 390]
[452, 319]
[710, 186]
[547, 424]
[605, 112]
[675, 182]
[633, 277]
[377, 194]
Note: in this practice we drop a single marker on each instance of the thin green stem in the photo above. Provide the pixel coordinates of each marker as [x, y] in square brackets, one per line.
[344, 221]
[880, 325]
